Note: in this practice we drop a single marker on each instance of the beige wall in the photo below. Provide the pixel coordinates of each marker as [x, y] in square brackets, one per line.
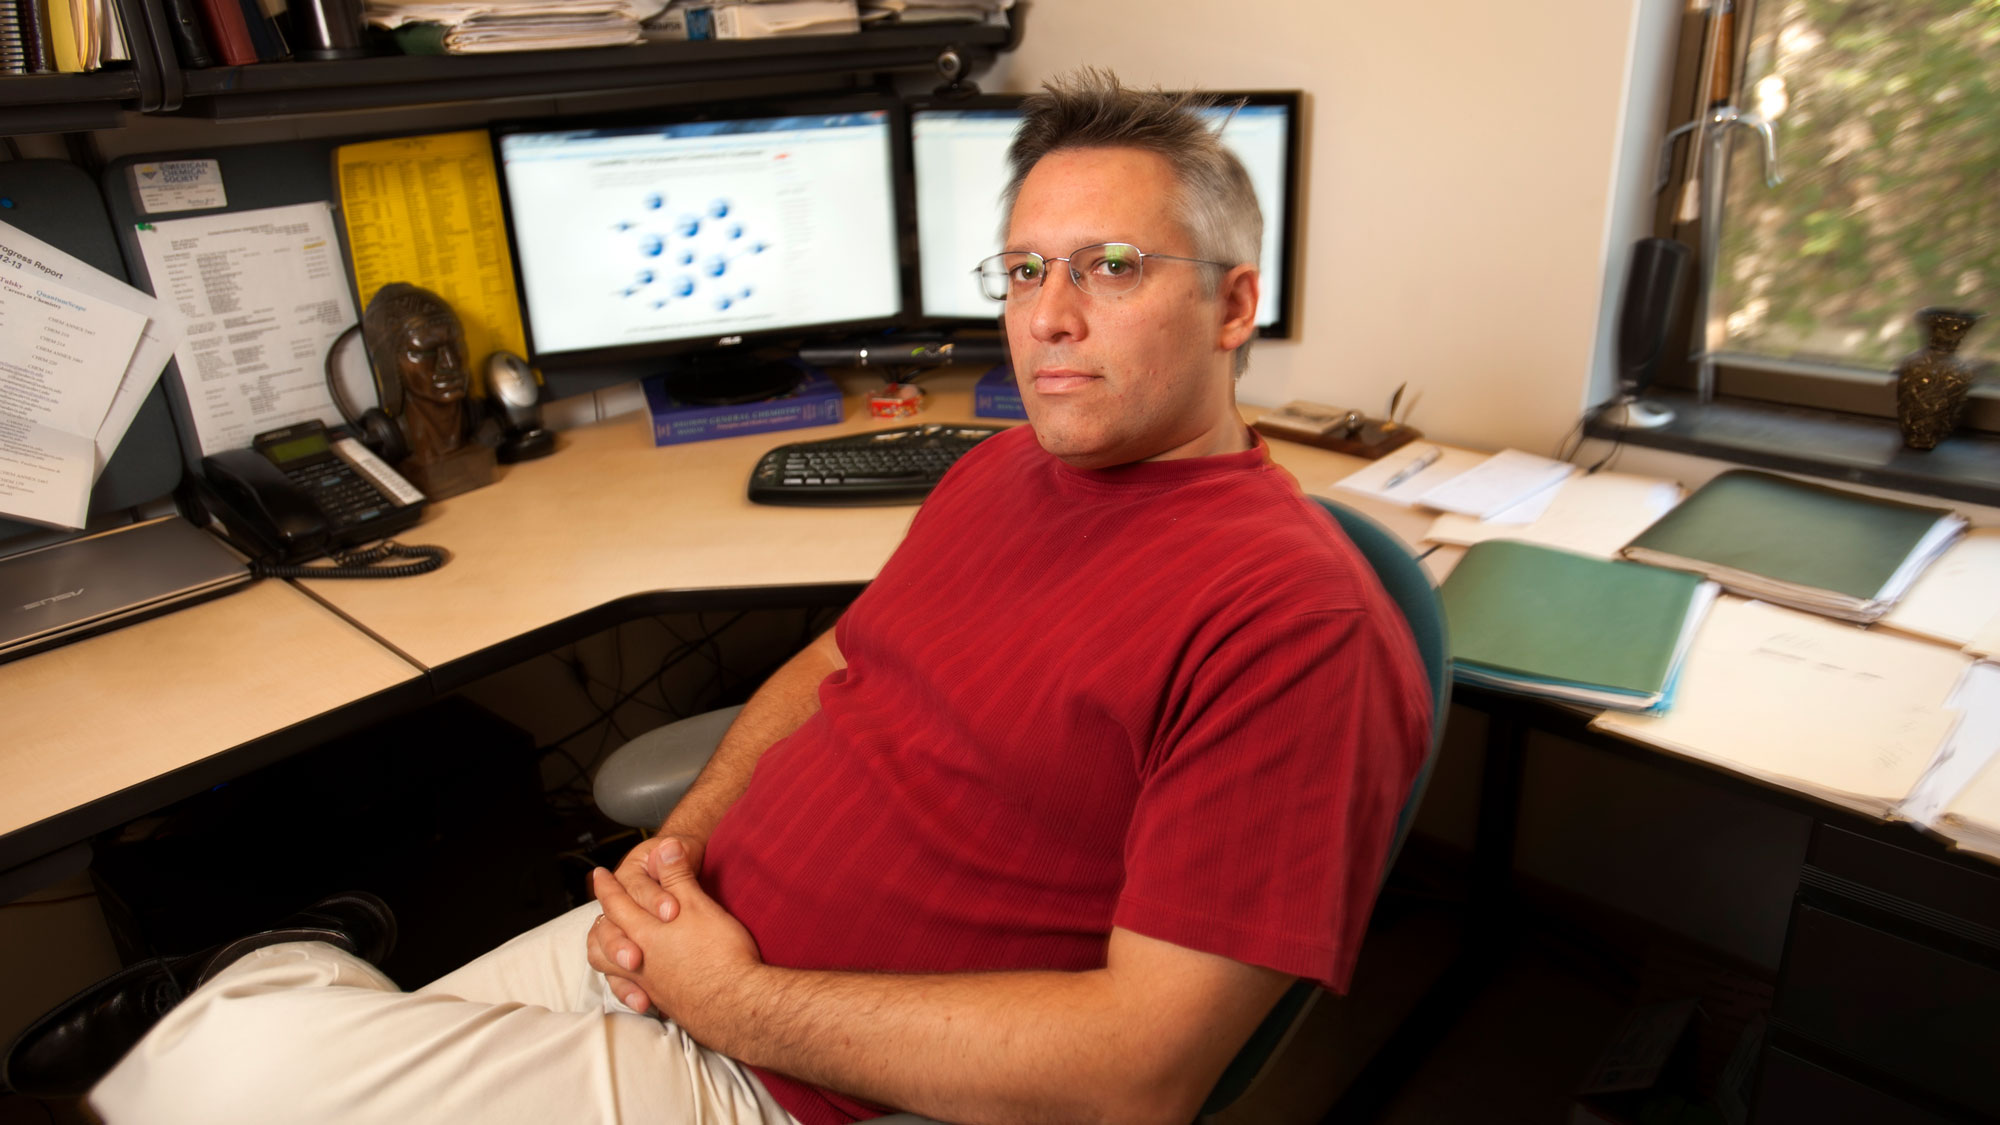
[1468, 163]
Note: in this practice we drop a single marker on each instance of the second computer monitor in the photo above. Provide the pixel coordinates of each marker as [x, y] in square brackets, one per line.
[960, 157]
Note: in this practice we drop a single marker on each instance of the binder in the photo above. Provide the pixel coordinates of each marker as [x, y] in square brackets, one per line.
[1808, 546]
[1561, 625]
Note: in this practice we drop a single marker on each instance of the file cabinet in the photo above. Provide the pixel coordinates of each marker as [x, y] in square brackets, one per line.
[1888, 1000]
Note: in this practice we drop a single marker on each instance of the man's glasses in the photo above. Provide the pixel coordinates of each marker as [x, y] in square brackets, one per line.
[1108, 269]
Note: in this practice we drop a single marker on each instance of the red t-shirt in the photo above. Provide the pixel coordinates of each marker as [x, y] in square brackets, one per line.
[1169, 696]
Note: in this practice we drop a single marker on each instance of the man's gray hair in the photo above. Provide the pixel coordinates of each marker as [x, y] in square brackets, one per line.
[1088, 108]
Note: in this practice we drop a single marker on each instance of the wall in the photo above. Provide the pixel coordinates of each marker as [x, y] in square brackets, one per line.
[1462, 160]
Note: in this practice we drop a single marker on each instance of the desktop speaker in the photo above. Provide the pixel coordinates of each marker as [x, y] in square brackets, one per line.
[1652, 305]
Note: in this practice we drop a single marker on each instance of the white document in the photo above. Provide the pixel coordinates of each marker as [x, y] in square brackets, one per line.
[1957, 598]
[265, 295]
[1591, 515]
[1975, 743]
[26, 254]
[62, 354]
[1496, 484]
[1849, 716]
[44, 473]
[1374, 480]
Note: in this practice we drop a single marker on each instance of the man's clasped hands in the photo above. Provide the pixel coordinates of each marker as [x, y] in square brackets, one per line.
[662, 942]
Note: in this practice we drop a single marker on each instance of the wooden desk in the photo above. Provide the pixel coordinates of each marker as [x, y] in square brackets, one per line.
[608, 528]
[115, 726]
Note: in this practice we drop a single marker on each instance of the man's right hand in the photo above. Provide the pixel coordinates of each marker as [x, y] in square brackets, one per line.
[637, 875]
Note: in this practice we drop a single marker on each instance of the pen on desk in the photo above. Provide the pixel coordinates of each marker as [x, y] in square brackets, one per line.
[1424, 461]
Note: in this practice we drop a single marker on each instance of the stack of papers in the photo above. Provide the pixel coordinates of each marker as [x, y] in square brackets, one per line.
[1504, 481]
[486, 26]
[1849, 716]
[1972, 819]
[1509, 486]
[1804, 545]
[1551, 623]
[79, 352]
[1957, 600]
[1594, 515]
[935, 11]
[1959, 794]
[754, 19]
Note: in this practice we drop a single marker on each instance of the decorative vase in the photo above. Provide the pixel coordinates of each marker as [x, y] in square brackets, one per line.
[1932, 382]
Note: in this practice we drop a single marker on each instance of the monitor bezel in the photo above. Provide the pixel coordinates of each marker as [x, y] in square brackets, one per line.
[1286, 272]
[646, 357]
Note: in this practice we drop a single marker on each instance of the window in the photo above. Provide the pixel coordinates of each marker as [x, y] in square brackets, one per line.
[1886, 118]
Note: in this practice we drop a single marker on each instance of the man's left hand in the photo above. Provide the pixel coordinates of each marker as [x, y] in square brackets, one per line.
[683, 961]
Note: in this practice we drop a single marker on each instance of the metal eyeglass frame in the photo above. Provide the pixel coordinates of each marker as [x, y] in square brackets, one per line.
[1076, 276]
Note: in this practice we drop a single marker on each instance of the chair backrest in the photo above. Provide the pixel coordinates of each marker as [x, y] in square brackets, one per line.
[1403, 577]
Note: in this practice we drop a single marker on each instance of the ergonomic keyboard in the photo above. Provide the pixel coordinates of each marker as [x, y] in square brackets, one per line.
[895, 466]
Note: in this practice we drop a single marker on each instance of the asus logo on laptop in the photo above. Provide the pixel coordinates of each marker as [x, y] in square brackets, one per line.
[54, 598]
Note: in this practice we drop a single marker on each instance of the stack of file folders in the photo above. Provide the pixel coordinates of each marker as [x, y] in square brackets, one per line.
[1823, 550]
[1552, 623]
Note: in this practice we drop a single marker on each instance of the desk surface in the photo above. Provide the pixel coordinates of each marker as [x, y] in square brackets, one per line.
[108, 728]
[609, 518]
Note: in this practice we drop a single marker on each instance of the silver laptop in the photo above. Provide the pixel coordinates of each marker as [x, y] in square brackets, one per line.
[88, 585]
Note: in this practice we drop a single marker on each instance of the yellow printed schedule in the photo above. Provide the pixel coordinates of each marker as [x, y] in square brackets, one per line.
[426, 210]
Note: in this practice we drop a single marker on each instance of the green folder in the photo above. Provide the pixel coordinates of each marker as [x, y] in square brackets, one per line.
[1533, 613]
[1798, 534]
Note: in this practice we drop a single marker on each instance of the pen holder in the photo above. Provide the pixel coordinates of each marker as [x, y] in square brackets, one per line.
[1343, 431]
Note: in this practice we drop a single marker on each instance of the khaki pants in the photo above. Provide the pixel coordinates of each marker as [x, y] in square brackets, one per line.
[304, 1033]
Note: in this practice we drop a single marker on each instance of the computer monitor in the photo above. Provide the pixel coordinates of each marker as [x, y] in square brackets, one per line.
[959, 154]
[686, 243]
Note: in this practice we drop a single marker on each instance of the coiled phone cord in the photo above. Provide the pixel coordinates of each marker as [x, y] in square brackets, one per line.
[361, 563]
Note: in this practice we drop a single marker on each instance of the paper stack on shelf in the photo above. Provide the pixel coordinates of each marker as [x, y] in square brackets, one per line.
[1849, 716]
[935, 11]
[754, 19]
[1595, 514]
[1804, 545]
[489, 26]
[1539, 621]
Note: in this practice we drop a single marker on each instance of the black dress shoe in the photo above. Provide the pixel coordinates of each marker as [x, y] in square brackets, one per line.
[65, 1052]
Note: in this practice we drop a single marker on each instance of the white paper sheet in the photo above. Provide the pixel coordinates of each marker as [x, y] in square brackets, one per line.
[1956, 597]
[44, 473]
[1593, 515]
[26, 254]
[62, 354]
[1500, 482]
[1374, 480]
[1851, 716]
[1974, 743]
[265, 295]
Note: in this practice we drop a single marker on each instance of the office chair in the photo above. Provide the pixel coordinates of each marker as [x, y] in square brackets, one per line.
[641, 780]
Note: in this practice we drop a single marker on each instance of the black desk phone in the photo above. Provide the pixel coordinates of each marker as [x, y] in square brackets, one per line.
[302, 491]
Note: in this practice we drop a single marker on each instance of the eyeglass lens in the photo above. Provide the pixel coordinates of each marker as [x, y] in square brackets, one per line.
[1102, 270]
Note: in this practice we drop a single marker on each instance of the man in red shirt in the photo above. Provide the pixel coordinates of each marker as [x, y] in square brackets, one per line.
[1172, 931]
[1108, 755]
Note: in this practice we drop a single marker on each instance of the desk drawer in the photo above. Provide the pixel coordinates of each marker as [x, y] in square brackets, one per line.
[1920, 1013]
[1790, 1089]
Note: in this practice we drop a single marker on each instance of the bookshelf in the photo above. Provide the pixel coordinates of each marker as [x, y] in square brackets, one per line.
[155, 83]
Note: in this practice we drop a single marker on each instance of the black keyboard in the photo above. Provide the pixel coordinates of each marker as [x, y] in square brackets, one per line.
[883, 467]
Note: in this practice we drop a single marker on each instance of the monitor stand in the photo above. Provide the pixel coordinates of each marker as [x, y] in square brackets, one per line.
[731, 379]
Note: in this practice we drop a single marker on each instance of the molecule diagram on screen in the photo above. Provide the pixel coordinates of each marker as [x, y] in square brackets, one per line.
[699, 256]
